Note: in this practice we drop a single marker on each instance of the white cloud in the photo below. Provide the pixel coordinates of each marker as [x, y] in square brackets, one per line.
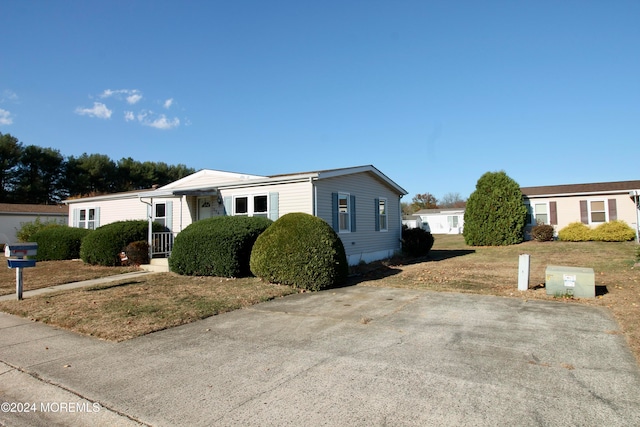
[167, 103]
[5, 117]
[8, 95]
[132, 96]
[99, 110]
[128, 116]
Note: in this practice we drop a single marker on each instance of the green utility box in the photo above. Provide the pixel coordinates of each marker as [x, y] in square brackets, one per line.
[577, 281]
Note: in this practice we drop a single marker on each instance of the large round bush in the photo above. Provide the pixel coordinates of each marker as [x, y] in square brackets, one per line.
[59, 243]
[575, 232]
[416, 242]
[302, 251]
[219, 246]
[613, 231]
[104, 244]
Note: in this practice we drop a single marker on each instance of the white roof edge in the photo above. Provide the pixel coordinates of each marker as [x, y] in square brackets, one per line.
[359, 169]
[583, 193]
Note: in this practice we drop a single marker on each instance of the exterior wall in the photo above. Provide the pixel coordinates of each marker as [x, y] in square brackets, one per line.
[10, 223]
[110, 210]
[365, 244]
[568, 209]
[439, 223]
[292, 197]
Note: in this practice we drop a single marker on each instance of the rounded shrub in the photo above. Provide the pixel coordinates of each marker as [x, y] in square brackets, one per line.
[542, 232]
[104, 244]
[416, 241]
[302, 251]
[59, 242]
[613, 231]
[219, 246]
[575, 232]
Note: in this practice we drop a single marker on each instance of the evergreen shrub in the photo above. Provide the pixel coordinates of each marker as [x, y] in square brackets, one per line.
[219, 246]
[613, 231]
[104, 245]
[416, 241]
[59, 242]
[542, 232]
[495, 214]
[300, 250]
[575, 232]
[28, 229]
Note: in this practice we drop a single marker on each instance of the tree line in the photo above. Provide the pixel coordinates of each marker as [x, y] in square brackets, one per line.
[429, 201]
[32, 174]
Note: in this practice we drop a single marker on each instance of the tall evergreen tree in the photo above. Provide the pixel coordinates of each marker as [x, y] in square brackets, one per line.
[495, 214]
[10, 154]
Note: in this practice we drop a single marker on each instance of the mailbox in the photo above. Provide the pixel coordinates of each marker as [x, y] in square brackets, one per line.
[20, 250]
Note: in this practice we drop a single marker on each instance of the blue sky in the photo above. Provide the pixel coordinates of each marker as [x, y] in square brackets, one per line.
[432, 93]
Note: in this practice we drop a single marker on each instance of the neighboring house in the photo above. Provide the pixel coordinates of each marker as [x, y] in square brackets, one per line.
[412, 221]
[13, 215]
[442, 221]
[591, 204]
[361, 203]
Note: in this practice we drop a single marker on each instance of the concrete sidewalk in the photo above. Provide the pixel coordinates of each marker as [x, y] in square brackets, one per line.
[354, 356]
[74, 285]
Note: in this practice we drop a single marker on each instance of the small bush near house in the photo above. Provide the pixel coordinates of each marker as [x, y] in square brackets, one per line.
[416, 241]
[28, 229]
[575, 232]
[219, 246]
[300, 250]
[104, 244]
[59, 242]
[542, 233]
[137, 252]
[614, 231]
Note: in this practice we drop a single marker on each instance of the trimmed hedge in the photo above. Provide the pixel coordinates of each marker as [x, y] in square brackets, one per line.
[614, 231]
[104, 244]
[29, 229]
[416, 241]
[59, 242]
[219, 246]
[302, 251]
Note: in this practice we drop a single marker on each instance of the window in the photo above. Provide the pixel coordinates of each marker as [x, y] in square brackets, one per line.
[541, 213]
[257, 205]
[160, 214]
[241, 206]
[343, 212]
[597, 211]
[382, 214]
[453, 221]
[87, 218]
[260, 206]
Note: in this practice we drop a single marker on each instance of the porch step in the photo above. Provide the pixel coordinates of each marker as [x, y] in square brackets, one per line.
[160, 265]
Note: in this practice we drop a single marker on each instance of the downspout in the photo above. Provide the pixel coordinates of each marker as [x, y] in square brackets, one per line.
[634, 193]
[314, 208]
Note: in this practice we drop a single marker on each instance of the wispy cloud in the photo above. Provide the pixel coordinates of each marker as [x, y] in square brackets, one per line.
[167, 103]
[158, 121]
[5, 117]
[98, 110]
[132, 96]
[8, 95]
[129, 116]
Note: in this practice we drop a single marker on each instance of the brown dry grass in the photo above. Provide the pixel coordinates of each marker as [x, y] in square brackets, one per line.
[50, 273]
[126, 309]
[454, 267]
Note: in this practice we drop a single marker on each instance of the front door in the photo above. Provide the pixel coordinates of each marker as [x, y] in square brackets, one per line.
[204, 208]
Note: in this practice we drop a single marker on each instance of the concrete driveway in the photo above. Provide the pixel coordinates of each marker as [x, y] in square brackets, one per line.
[356, 356]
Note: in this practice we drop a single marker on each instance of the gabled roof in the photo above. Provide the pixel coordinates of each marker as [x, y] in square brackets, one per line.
[582, 189]
[28, 209]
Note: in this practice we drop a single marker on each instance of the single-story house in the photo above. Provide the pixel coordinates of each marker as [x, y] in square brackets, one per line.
[412, 221]
[591, 204]
[361, 203]
[14, 215]
[442, 221]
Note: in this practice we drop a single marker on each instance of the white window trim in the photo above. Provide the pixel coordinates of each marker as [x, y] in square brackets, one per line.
[348, 196]
[87, 221]
[548, 213]
[386, 215]
[606, 210]
[251, 205]
[155, 217]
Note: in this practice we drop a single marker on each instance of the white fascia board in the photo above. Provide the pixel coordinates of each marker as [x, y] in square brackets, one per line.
[359, 169]
[585, 194]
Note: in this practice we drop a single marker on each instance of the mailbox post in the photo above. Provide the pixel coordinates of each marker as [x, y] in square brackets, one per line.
[16, 253]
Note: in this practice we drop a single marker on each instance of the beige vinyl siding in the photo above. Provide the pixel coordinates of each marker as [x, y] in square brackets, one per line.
[292, 197]
[365, 243]
[112, 210]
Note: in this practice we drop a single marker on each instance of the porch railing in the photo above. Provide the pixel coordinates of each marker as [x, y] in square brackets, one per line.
[162, 244]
